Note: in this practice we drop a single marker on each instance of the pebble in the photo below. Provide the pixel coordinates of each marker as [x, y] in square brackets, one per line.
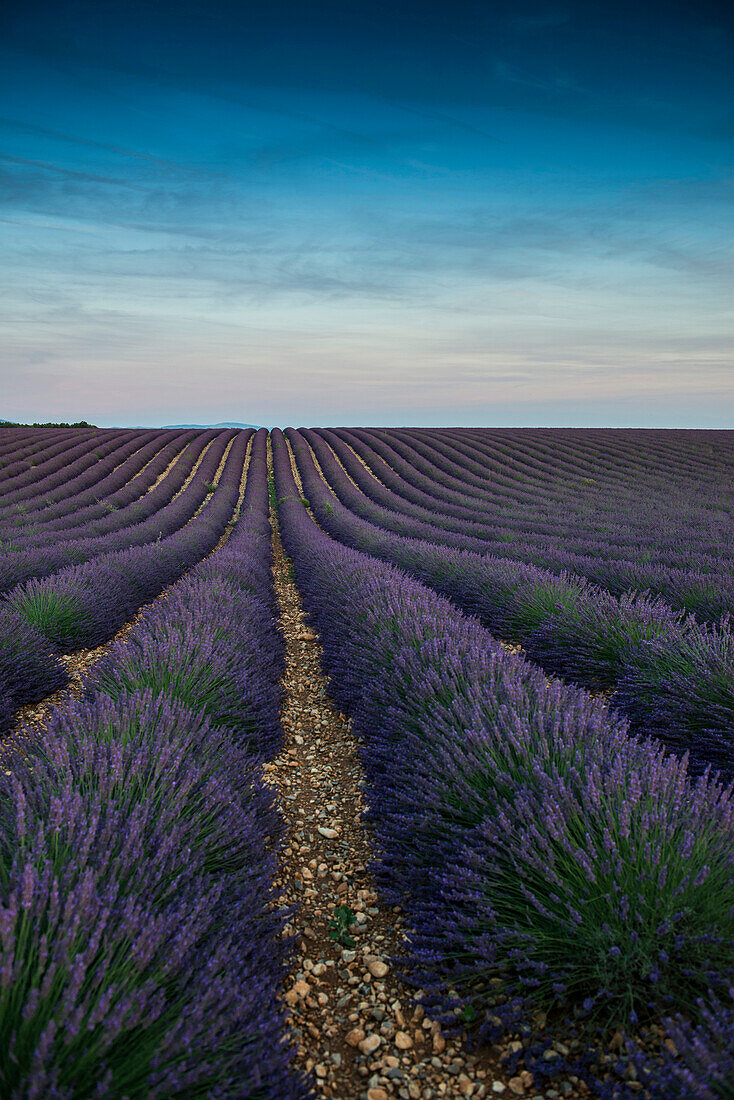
[376, 967]
[370, 1044]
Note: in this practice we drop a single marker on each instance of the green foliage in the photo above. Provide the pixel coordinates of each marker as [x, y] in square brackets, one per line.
[543, 601]
[47, 424]
[57, 616]
[344, 917]
[189, 678]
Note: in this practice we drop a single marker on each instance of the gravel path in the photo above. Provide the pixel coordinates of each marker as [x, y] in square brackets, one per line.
[357, 1027]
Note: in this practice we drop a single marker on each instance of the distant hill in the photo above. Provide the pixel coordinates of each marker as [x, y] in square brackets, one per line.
[227, 425]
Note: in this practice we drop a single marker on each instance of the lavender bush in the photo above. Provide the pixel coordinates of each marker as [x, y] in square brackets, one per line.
[29, 666]
[681, 691]
[140, 954]
[196, 647]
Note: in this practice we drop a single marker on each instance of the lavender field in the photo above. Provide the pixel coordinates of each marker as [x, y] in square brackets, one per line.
[527, 632]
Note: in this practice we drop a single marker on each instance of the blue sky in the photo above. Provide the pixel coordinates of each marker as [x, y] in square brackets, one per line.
[335, 213]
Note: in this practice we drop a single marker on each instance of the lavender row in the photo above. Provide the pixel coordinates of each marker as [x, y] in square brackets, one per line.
[59, 470]
[703, 586]
[142, 948]
[19, 447]
[610, 454]
[644, 452]
[624, 508]
[618, 458]
[601, 503]
[709, 596]
[84, 605]
[546, 861]
[85, 479]
[28, 464]
[673, 677]
[22, 454]
[27, 516]
[156, 515]
[116, 486]
[656, 533]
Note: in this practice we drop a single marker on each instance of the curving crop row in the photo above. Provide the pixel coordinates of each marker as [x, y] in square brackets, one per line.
[17, 445]
[42, 445]
[37, 481]
[159, 513]
[616, 504]
[645, 452]
[117, 485]
[50, 506]
[538, 499]
[708, 595]
[584, 506]
[86, 478]
[142, 949]
[703, 586]
[84, 605]
[618, 457]
[586, 517]
[673, 677]
[546, 861]
[621, 504]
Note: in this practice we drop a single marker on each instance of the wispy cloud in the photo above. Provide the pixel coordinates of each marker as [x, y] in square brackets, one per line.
[58, 135]
[72, 173]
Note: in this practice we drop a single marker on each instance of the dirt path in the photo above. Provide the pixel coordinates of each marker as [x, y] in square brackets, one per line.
[357, 1027]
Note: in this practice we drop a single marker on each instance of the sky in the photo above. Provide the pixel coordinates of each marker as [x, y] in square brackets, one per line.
[393, 213]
